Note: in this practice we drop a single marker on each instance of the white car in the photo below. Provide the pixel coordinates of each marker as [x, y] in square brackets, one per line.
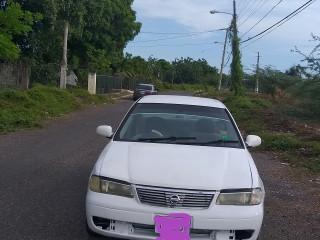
[176, 155]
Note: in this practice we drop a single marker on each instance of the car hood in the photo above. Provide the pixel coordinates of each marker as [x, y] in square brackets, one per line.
[176, 166]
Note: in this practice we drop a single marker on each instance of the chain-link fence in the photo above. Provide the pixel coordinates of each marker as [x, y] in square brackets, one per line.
[107, 84]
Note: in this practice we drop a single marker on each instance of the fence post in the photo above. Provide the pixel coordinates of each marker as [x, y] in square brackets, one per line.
[92, 83]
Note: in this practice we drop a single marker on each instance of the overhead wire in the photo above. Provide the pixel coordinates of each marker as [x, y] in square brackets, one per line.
[248, 9]
[240, 4]
[280, 23]
[259, 6]
[172, 45]
[240, 12]
[187, 35]
[228, 60]
[176, 33]
[261, 19]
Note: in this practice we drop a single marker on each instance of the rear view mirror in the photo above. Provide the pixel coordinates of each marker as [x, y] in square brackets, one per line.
[105, 131]
[253, 141]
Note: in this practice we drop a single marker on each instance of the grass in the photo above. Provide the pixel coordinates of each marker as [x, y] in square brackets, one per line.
[280, 132]
[29, 109]
[196, 88]
[286, 128]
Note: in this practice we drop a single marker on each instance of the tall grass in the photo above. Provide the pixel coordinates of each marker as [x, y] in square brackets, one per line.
[268, 117]
[28, 109]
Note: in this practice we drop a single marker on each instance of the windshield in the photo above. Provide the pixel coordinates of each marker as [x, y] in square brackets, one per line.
[179, 124]
[144, 87]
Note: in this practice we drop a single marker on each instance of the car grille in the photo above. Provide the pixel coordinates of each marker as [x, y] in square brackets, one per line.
[174, 198]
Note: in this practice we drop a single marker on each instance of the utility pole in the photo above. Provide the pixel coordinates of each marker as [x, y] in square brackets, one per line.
[64, 63]
[257, 73]
[235, 30]
[222, 62]
[236, 66]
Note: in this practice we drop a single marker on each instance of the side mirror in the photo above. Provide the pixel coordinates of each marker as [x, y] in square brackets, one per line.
[253, 141]
[105, 131]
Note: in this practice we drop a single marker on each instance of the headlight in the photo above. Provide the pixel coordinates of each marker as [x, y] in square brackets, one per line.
[100, 185]
[250, 197]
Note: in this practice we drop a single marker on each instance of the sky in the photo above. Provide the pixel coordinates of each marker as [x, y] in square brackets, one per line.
[185, 28]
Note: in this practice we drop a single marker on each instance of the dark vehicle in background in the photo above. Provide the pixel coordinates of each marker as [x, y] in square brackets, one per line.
[144, 89]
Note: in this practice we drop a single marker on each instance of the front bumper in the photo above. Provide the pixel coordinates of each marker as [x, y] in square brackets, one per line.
[130, 219]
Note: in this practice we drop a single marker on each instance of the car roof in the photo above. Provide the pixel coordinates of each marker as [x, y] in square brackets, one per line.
[183, 100]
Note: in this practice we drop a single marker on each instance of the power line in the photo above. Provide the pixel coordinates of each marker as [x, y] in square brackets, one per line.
[248, 9]
[241, 1]
[229, 57]
[244, 7]
[169, 38]
[281, 22]
[172, 45]
[177, 33]
[263, 2]
[262, 18]
[304, 6]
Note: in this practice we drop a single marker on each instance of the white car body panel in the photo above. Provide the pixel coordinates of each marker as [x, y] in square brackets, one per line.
[173, 166]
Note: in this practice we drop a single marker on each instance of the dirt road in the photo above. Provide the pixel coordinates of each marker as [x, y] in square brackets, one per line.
[292, 205]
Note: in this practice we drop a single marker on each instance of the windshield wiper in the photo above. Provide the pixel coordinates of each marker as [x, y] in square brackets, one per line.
[171, 139]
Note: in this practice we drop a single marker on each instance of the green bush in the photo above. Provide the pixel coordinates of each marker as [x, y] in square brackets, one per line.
[28, 109]
[236, 102]
[279, 142]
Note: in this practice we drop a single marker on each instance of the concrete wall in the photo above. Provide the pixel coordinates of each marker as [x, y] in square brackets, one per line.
[92, 83]
[14, 75]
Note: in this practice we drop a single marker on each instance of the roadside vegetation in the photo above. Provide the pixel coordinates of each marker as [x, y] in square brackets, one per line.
[29, 109]
[280, 120]
[285, 113]
[288, 126]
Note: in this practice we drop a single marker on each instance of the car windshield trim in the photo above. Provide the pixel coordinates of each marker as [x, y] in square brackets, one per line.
[179, 113]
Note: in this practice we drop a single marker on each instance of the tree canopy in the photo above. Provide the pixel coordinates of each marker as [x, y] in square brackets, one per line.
[313, 58]
[13, 22]
[98, 32]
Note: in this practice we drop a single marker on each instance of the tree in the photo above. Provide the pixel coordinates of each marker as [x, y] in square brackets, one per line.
[271, 79]
[134, 67]
[69, 12]
[98, 31]
[13, 22]
[313, 58]
[190, 71]
[161, 69]
[109, 26]
[298, 71]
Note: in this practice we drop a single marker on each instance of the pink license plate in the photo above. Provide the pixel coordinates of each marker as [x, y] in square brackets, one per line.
[175, 226]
